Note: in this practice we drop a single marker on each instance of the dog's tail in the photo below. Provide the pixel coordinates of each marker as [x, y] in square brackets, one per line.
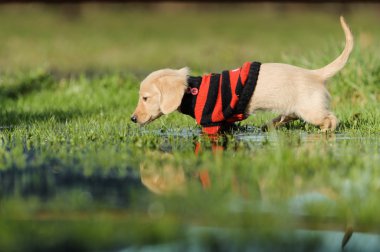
[335, 66]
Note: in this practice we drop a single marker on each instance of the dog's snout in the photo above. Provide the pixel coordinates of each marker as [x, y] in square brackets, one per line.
[134, 118]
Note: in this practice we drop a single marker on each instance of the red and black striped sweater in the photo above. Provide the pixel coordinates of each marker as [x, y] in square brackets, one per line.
[218, 100]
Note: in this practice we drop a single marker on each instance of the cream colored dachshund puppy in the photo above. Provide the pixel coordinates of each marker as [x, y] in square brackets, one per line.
[290, 91]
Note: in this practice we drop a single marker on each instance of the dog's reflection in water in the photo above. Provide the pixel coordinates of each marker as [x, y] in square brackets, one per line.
[163, 174]
[163, 179]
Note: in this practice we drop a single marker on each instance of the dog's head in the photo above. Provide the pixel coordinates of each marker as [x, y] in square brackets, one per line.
[161, 93]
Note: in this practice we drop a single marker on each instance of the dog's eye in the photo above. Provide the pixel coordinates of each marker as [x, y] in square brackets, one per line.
[145, 98]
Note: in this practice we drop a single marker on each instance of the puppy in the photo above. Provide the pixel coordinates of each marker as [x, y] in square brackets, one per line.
[218, 100]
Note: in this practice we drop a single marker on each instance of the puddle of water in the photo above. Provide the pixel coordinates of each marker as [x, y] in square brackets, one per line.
[228, 191]
[332, 240]
[256, 135]
[185, 133]
[197, 239]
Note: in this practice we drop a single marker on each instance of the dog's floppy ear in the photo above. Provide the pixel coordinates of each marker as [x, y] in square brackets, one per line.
[172, 88]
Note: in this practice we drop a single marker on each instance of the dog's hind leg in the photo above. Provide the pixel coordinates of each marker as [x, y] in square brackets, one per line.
[325, 119]
[279, 121]
[314, 109]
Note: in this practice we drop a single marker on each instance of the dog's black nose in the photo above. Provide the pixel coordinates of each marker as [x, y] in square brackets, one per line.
[134, 119]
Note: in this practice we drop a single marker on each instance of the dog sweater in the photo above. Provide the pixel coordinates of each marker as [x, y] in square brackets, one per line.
[218, 100]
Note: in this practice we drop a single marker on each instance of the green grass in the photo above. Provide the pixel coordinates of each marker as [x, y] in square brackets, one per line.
[71, 161]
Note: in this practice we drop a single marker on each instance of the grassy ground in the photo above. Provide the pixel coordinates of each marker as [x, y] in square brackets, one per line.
[76, 175]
